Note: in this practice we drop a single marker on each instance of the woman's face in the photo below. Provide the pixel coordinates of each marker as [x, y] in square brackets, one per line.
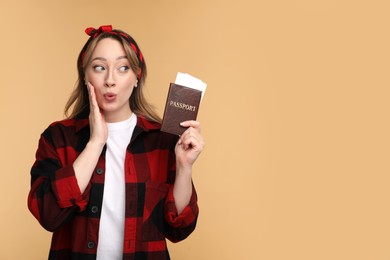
[110, 74]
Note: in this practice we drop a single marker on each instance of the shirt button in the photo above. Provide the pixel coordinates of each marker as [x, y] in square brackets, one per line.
[95, 209]
[99, 171]
[91, 244]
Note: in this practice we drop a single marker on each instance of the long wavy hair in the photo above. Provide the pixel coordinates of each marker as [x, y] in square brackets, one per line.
[78, 102]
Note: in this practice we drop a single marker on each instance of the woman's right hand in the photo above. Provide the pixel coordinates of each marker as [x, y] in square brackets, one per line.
[97, 122]
[86, 162]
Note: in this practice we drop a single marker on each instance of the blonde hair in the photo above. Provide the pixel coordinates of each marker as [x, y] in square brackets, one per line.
[78, 101]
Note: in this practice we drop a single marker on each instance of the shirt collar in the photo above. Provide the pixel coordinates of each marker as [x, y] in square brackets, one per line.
[146, 124]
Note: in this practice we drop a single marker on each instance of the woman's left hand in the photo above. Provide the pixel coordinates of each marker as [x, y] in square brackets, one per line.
[189, 145]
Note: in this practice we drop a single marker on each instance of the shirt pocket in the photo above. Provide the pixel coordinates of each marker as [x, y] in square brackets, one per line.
[153, 226]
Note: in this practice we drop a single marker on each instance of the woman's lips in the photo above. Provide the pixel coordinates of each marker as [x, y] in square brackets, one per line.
[109, 97]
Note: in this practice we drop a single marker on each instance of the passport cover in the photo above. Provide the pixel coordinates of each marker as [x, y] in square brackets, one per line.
[182, 105]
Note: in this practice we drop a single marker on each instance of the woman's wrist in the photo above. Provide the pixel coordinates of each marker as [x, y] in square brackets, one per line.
[95, 145]
[183, 169]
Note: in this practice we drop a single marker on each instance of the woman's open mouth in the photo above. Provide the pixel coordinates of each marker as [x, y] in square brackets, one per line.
[109, 97]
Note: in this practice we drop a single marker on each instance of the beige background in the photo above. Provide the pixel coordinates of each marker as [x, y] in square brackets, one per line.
[296, 117]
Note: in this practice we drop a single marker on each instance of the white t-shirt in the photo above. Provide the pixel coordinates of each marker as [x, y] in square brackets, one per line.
[112, 220]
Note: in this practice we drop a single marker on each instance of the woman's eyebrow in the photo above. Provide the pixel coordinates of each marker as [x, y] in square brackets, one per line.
[98, 58]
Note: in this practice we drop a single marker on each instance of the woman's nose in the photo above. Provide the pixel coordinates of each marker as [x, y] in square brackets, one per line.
[110, 81]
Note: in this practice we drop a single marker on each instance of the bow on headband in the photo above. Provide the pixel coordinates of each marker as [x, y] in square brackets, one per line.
[95, 32]
[108, 29]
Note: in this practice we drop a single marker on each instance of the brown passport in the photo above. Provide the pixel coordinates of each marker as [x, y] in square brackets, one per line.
[182, 105]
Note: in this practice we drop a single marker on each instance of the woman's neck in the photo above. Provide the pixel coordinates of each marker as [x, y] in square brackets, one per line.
[117, 117]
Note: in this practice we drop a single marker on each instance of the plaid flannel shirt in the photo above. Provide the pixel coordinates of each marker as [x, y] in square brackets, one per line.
[73, 217]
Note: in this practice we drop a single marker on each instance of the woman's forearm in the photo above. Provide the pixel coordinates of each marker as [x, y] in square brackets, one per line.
[182, 190]
[85, 164]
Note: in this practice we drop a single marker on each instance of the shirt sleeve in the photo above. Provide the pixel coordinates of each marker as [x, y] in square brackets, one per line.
[179, 226]
[54, 196]
[188, 215]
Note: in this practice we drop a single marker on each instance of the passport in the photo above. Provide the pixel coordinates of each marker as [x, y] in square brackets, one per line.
[182, 104]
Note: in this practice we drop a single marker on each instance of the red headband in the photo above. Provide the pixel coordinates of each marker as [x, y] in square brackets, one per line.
[93, 33]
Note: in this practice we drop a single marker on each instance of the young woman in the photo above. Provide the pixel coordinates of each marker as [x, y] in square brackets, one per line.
[106, 181]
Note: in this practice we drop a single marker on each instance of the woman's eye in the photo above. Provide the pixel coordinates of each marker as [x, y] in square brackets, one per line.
[124, 68]
[98, 68]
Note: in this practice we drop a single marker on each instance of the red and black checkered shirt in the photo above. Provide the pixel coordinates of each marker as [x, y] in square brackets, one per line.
[73, 217]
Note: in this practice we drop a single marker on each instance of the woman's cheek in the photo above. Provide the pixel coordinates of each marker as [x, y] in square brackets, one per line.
[99, 97]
